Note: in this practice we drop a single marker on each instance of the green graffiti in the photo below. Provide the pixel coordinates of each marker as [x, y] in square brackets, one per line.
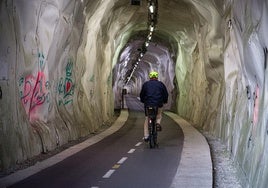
[66, 85]
[41, 60]
[69, 68]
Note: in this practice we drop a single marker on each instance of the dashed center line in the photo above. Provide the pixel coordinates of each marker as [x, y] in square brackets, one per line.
[131, 151]
[108, 174]
[122, 160]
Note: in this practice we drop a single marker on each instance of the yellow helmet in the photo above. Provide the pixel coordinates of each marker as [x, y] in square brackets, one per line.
[153, 74]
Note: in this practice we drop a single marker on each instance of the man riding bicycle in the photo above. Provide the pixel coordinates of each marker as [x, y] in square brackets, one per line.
[153, 93]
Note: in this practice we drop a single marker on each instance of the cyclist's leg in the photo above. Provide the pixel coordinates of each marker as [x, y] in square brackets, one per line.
[145, 126]
[159, 118]
[146, 131]
[159, 115]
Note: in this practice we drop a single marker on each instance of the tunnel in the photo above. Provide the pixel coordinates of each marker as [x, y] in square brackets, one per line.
[65, 63]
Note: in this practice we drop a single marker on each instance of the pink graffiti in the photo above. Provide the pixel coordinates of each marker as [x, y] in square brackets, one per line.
[34, 92]
[256, 106]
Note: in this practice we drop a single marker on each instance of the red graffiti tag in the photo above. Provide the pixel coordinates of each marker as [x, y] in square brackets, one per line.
[256, 106]
[34, 92]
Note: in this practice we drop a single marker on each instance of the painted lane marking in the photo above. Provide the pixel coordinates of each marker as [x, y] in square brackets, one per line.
[138, 144]
[122, 160]
[131, 151]
[116, 166]
[108, 174]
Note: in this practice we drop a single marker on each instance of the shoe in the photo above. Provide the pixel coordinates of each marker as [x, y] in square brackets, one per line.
[158, 127]
[146, 138]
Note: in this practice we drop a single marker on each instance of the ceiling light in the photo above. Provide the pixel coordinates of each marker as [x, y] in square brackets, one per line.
[151, 8]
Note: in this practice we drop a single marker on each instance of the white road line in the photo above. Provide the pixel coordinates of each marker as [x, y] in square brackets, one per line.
[108, 174]
[122, 160]
[131, 151]
[138, 144]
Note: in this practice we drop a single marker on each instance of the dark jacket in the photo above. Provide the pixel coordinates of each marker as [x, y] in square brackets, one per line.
[154, 93]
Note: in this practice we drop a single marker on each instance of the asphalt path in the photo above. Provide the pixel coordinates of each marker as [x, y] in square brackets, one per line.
[121, 160]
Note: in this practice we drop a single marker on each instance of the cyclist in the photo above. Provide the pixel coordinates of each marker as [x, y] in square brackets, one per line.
[153, 93]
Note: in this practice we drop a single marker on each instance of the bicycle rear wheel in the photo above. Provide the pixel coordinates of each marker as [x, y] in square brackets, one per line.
[153, 136]
[152, 142]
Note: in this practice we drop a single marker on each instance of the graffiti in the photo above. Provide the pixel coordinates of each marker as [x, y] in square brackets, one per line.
[66, 85]
[41, 60]
[34, 90]
[256, 105]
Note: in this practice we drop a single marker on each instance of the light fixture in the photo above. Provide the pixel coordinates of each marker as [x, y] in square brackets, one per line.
[151, 8]
[152, 20]
[151, 28]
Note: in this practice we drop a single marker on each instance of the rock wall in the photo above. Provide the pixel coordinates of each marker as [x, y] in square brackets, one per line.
[243, 118]
[51, 76]
[222, 76]
[221, 71]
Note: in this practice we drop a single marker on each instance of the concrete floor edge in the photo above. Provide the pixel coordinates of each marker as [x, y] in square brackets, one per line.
[195, 168]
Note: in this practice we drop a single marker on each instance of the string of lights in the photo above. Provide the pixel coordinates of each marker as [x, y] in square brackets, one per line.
[152, 21]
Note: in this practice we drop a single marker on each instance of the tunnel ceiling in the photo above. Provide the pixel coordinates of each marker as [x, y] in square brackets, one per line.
[156, 52]
[176, 23]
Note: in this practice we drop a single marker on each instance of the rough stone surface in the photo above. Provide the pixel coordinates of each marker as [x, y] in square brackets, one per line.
[224, 170]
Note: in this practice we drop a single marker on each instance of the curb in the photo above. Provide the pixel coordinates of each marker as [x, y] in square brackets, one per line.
[195, 168]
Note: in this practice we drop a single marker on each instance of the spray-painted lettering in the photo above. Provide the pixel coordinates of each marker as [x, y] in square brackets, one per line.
[256, 105]
[66, 85]
[34, 89]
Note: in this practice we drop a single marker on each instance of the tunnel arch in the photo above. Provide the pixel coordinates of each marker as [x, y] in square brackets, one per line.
[219, 64]
[161, 48]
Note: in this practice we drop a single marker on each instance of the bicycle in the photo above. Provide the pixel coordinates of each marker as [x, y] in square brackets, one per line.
[152, 113]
